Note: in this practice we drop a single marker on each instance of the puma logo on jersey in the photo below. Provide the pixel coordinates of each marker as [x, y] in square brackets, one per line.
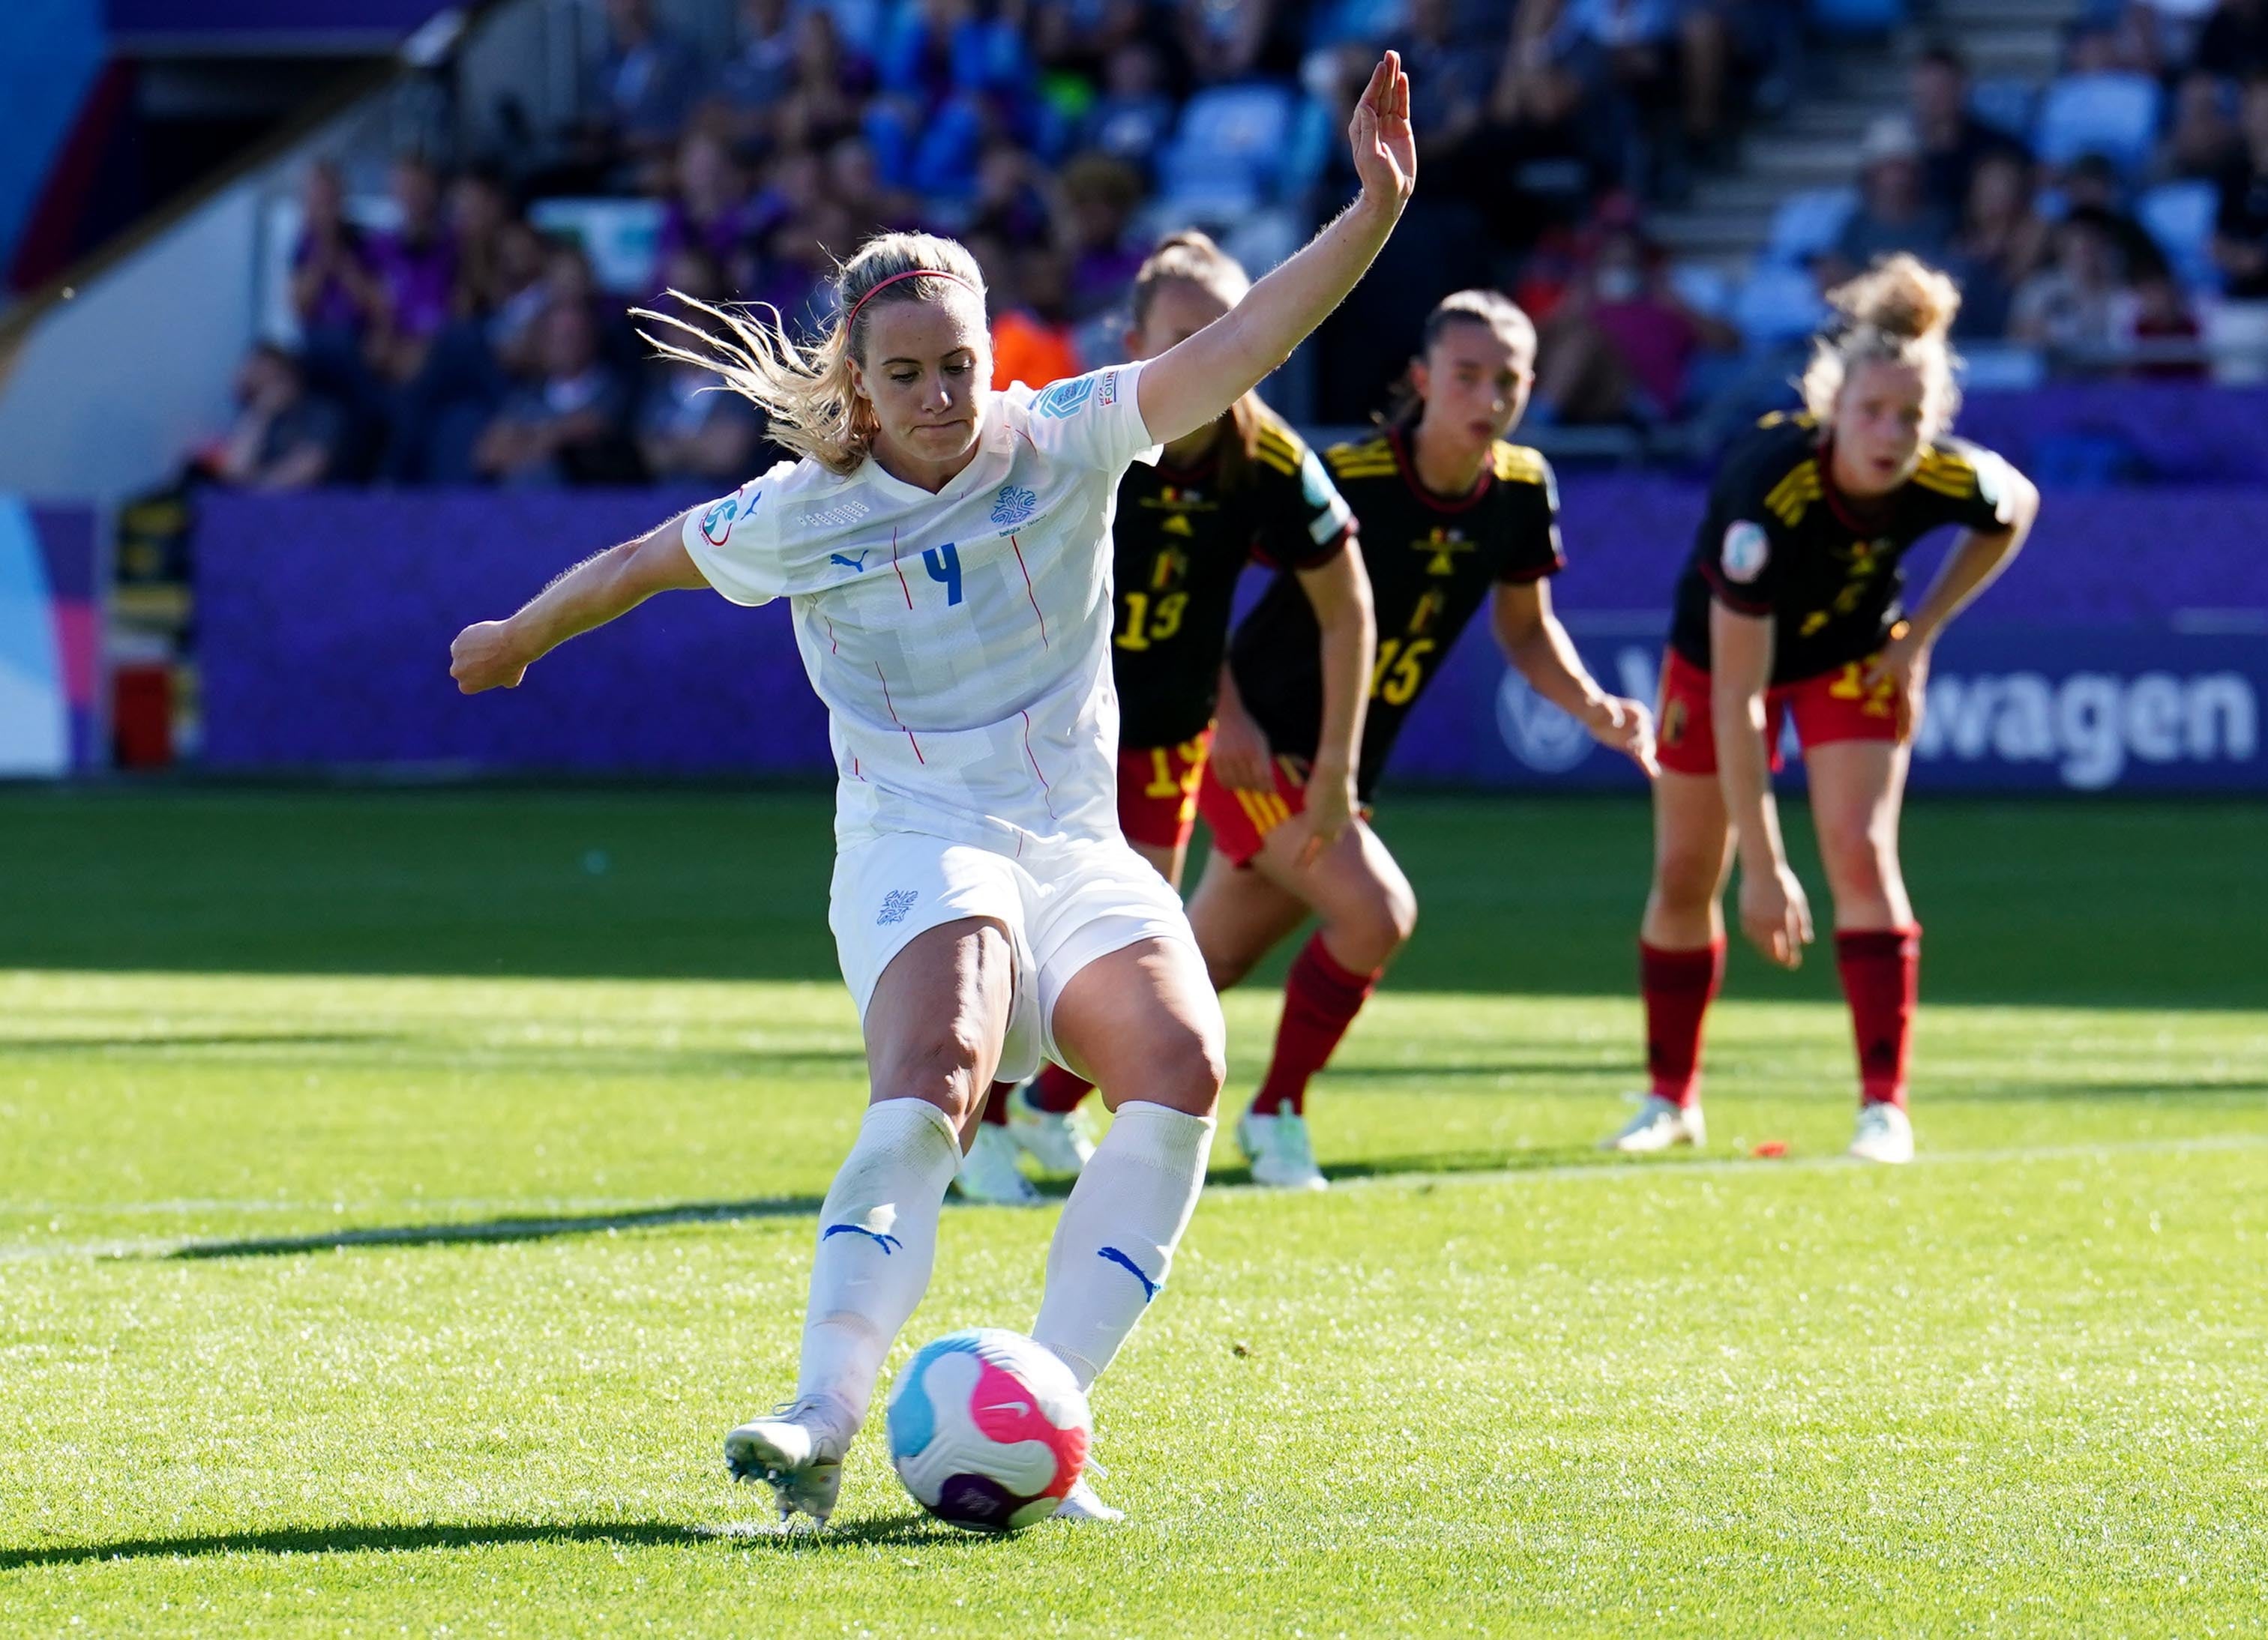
[857, 566]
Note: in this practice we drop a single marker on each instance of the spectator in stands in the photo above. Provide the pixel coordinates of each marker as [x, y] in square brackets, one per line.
[1622, 341]
[2240, 237]
[854, 180]
[1532, 165]
[1953, 141]
[285, 438]
[1452, 73]
[1008, 203]
[566, 425]
[480, 210]
[1225, 43]
[1100, 195]
[708, 210]
[2001, 243]
[761, 69]
[688, 428]
[1894, 213]
[2091, 183]
[2235, 40]
[832, 83]
[1134, 116]
[1032, 339]
[1625, 52]
[416, 267]
[645, 83]
[2201, 141]
[2158, 311]
[2074, 303]
[335, 290]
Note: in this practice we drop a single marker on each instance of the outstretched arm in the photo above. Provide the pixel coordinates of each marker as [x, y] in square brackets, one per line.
[497, 654]
[1190, 385]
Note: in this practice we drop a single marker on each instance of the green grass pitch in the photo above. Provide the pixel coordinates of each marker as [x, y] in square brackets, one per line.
[400, 1193]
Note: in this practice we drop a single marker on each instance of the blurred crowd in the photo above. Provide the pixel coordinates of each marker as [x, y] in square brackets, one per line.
[463, 343]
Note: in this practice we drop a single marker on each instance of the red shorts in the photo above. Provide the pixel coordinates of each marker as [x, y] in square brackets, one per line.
[1838, 705]
[1240, 821]
[1158, 790]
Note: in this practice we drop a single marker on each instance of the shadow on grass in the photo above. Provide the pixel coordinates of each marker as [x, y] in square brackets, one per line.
[479, 1230]
[377, 1540]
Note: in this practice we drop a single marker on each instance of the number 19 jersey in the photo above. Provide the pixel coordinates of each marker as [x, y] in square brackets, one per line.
[961, 640]
[1431, 559]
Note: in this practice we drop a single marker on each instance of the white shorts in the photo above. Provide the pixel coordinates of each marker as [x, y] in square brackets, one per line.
[1063, 905]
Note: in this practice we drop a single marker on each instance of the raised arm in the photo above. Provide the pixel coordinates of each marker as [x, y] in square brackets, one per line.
[1190, 385]
[497, 654]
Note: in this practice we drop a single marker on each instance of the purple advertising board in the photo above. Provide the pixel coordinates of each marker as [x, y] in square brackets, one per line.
[2125, 649]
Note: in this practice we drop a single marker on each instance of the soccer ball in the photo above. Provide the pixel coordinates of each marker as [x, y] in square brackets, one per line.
[988, 1429]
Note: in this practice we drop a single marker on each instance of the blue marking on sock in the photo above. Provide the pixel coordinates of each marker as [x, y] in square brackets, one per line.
[888, 1244]
[1148, 1287]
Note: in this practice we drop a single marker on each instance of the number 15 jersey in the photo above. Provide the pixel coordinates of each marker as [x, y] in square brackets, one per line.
[1431, 559]
[961, 640]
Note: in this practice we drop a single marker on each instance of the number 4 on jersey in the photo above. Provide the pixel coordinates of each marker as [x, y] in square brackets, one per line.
[945, 568]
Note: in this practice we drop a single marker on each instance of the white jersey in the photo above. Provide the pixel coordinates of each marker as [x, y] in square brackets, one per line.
[961, 640]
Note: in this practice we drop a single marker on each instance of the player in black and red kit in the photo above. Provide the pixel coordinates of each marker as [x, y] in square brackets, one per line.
[1791, 608]
[1451, 516]
[1245, 490]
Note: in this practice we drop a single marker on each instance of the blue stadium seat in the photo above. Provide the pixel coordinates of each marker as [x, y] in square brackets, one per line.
[1860, 17]
[2115, 115]
[1807, 222]
[2180, 217]
[1334, 22]
[1230, 151]
[2006, 105]
[1779, 303]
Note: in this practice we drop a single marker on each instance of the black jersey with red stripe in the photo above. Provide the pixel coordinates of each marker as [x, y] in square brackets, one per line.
[1179, 540]
[1779, 540]
[1431, 559]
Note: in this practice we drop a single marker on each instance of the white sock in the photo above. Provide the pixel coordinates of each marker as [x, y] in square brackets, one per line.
[877, 1243]
[1114, 1242]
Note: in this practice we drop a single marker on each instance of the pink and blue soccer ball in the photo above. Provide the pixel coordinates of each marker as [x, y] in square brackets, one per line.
[988, 1429]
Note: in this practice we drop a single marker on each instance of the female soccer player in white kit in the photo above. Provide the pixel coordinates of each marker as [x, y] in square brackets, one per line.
[946, 557]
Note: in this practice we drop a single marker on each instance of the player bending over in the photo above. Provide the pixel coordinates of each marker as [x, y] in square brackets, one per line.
[1449, 515]
[1242, 489]
[1789, 607]
[945, 554]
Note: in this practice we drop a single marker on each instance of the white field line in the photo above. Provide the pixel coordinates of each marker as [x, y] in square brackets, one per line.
[535, 1218]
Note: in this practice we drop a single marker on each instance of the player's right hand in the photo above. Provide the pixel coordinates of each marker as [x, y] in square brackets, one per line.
[487, 655]
[1775, 915]
[1241, 755]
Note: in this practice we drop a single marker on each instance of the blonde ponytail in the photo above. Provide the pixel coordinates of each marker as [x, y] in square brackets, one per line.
[1898, 312]
[806, 393]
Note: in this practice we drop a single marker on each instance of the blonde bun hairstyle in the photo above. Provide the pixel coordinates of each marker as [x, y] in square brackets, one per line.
[1898, 312]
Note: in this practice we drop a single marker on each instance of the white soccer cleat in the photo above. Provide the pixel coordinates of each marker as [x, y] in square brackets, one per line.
[989, 1172]
[1060, 1143]
[1281, 1154]
[798, 1452]
[1659, 1124]
[1081, 1503]
[1885, 1134]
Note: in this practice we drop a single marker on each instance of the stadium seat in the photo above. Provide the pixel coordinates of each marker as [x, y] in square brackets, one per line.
[2006, 105]
[1807, 222]
[1779, 303]
[1229, 153]
[2180, 217]
[1859, 17]
[2115, 115]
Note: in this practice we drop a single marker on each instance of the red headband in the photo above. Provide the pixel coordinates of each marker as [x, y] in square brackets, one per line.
[910, 273]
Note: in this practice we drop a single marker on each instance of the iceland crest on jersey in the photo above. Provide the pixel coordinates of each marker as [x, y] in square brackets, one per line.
[896, 904]
[1065, 398]
[1013, 505]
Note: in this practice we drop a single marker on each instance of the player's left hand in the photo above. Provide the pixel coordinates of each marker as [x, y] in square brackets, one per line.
[1384, 151]
[1903, 665]
[487, 655]
[1624, 725]
[1329, 810]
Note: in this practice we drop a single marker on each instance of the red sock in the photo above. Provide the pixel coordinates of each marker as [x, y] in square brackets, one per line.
[1881, 976]
[1058, 1090]
[995, 1103]
[1321, 999]
[1678, 986]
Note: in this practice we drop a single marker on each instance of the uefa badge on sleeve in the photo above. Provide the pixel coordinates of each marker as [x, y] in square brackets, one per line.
[1747, 550]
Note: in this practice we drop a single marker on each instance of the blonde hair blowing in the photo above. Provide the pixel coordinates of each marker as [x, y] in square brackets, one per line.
[805, 391]
[1898, 312]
